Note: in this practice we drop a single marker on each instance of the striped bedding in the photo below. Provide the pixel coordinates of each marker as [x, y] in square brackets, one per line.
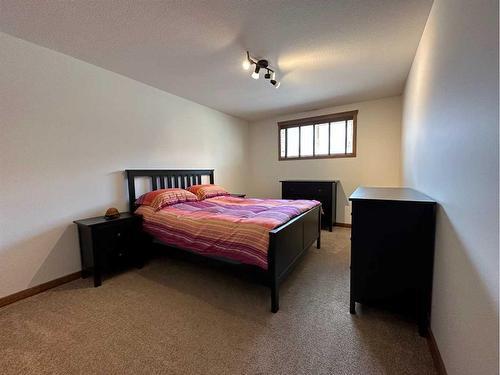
[233, 228]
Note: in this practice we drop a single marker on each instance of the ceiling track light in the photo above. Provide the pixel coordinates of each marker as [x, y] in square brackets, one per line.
[255, 74]
[261, 64]
[247, 62]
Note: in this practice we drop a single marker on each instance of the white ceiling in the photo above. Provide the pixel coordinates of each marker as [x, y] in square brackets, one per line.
[326, 52]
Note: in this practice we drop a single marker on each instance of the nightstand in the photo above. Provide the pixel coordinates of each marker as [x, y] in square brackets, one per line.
[238, 195]
[107, 243]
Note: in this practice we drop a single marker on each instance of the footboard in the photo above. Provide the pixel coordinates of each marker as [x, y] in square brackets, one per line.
[287, 244]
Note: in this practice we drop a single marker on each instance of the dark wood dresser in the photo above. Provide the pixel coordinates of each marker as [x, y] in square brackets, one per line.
[324, 191]
[392, 250]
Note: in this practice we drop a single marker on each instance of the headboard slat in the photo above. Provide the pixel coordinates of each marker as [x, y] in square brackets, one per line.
[187, 178]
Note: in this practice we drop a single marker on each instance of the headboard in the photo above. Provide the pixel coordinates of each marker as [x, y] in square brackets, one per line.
[165, 178]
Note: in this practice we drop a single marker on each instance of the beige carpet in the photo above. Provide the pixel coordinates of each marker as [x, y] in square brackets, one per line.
[180, 317]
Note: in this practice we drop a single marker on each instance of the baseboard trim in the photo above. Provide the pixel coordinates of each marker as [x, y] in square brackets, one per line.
[436, 355]
[344, 225]
[4, 301]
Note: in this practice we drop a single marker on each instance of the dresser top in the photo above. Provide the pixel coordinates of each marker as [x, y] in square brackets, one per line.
[390, 194]
[331, 181]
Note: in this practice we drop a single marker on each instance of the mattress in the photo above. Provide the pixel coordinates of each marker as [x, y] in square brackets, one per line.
[225, 226]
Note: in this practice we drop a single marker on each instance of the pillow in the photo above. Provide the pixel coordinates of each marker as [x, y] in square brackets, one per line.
[148, 198]
[207, 191]
[165, 197]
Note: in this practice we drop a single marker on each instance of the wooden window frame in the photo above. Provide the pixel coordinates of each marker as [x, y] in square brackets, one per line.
[342, 116]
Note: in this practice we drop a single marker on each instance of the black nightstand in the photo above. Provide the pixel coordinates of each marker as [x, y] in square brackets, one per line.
[107, 243]
[238, 195]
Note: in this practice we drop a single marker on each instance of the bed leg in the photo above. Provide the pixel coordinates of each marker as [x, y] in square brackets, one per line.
[275, 298]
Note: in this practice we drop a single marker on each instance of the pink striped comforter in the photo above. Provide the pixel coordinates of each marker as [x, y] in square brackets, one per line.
[234, 228]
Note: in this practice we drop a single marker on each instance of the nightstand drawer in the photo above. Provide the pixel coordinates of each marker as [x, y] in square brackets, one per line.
[111, 235]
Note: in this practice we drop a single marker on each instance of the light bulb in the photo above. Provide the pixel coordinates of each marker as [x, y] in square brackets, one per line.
[255, 74]
[246, 64]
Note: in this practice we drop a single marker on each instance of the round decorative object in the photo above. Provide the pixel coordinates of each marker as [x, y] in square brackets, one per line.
[111, 213]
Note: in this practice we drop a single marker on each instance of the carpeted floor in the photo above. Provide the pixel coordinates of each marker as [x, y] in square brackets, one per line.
[181, 317]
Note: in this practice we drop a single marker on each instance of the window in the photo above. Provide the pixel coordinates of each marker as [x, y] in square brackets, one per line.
[329, 136]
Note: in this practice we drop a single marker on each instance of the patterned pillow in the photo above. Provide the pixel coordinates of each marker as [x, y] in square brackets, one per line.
[207, 191]
[165, 197]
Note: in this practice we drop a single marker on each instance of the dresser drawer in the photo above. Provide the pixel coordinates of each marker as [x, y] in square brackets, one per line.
[319, 193]
[305, 189]
[322, 191]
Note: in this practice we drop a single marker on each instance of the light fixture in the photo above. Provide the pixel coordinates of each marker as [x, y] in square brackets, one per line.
[255, 74]
[261, 64]
[273, 81]
[246, 63]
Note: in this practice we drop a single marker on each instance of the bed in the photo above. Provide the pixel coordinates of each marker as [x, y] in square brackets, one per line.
[271, 235]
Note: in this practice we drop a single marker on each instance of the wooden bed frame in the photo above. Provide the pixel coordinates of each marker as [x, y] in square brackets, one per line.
[287, 243]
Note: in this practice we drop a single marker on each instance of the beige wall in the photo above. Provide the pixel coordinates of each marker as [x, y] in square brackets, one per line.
[450, 152]
[67, 131]
[377, 162]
